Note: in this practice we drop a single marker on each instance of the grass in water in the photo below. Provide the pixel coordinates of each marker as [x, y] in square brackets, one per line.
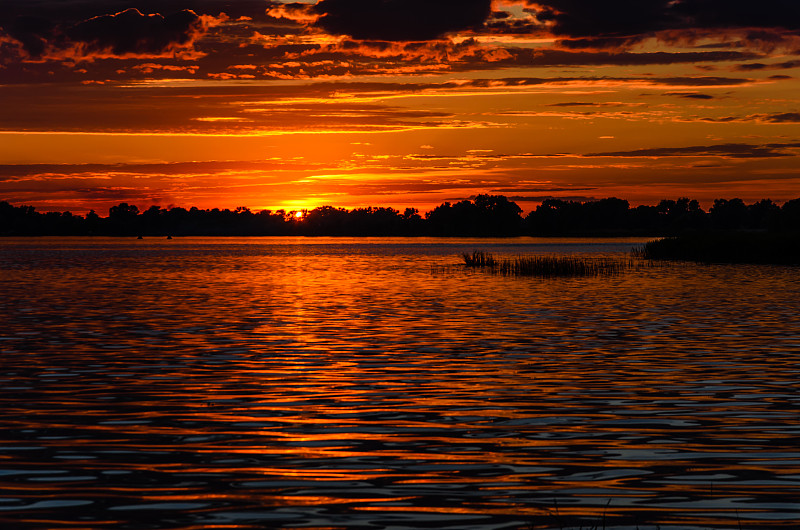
[548, 266]
[479, 258]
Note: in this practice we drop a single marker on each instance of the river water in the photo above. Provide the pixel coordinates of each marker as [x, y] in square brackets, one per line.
[355, 384]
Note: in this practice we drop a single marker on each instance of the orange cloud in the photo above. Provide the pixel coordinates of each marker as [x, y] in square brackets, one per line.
[300, 13]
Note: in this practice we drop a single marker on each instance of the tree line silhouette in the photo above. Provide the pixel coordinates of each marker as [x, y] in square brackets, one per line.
[485, 215]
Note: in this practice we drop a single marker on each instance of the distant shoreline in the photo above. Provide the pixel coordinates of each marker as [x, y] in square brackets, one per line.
[483, 216]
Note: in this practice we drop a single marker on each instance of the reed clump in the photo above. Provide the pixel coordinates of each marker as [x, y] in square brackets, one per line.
[548, 266]
[479, 258]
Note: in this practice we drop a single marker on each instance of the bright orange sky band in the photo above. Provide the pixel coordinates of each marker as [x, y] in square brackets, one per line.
[272, 105]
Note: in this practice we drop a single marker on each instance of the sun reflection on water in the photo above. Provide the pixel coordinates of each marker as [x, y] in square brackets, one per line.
[338, 384]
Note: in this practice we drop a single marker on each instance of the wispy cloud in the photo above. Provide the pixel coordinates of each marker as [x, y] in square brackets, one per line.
[722, 150]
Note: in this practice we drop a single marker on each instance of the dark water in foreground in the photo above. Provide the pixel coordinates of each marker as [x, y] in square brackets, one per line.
[336, 383]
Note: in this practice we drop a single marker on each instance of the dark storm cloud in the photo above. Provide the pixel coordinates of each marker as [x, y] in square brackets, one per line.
[73, 11]
[398, 20]
[580, 23]
[32, 33]
[610, 18]
[149, 26]
[129, 31]
[134, 32]
[736, 13]
[613, 23]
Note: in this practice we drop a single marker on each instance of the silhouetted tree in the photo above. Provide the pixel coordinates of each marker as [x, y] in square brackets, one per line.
[679, 216]
[790, 215]
[488, 215]
[375, 221]
[326, 221]
[554, 216]
[763, 214]
[93, 223]
[413, 224]
[122, 219]
[606, 214]
[498, 216]
[152, 221]
[728, 214]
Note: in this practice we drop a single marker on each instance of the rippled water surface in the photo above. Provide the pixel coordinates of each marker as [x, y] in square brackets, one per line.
[350, 384]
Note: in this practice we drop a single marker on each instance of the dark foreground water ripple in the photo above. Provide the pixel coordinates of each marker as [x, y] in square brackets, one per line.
[341, 384]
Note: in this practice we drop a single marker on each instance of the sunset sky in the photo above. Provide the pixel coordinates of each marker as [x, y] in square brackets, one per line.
[268, 105]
